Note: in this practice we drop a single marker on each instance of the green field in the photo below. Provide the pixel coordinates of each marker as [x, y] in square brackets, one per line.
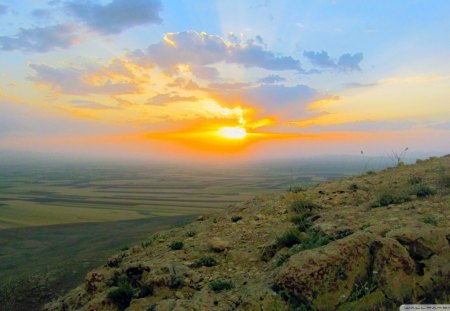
[60, 220]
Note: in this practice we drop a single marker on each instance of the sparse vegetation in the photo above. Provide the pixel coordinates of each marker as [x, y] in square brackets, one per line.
[146, 290]
[301, 221]
[353, 187]
[221, 285]
[121, 296]
[295, 189]
[423, 190]
[206, 262]
[314, 238]
[176, 245]
[124, 248]
[430, 220]
[361, 290]
[176, 281]
[302, 204]
[388, 197]
[236, 218]
[289, 238]
[191, 233]
[414, 180]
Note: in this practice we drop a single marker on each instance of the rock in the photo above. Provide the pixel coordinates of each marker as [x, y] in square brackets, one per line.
[218, 245]
[202, 218]
[323, 276]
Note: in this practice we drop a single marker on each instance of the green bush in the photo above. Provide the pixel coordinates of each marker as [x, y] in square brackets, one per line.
[236, 218]
[121, 296]
[176, 245]
[124, 248]
[206, 262]
[301, 221]
[289, 238]
[389, 197]
[176, 282]
[301, 205]
[146, 290]
[430, 220]
[191, 233]
[314, 238]
[353, 187]
[423, 190]
[220, 285]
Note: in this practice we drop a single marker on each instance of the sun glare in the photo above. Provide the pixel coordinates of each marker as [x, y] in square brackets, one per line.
[233, 132]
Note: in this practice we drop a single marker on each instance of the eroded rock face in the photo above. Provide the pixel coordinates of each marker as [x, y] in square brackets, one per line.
[376, 258]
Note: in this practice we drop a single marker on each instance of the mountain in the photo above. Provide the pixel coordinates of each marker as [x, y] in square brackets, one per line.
[371, 242]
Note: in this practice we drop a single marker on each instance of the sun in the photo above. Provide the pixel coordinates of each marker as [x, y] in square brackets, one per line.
[233, 132]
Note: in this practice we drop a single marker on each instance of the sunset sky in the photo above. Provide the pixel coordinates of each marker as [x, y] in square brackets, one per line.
[237, 79]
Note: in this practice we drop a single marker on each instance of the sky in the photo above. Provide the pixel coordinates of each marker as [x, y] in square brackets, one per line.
[224, 80]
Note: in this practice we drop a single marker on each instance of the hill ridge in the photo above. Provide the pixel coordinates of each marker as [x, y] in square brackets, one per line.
[369, 242]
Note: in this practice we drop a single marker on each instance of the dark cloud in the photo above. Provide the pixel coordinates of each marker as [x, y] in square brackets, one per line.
[162, 99]
[72, 81]
[271, 79]
[346, 62]
[116, 16]
[40, 39]
[200, 49]
[3, 9]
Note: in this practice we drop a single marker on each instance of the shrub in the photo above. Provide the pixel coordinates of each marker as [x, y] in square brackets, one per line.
[176, 281]
[361, 290]
[236, 218]
[146, 290]
[301, 221]
[414, 180]
[314, 238]
[220, 285]
[289, 238]
[423, 190]
[300, 205]
[386, 198]
[430, 220]
[176, 245]
[191, 233]
[295, 189]
[121, 296]
[370, 173]
[124, 248]
[206, 262]
[353, 187]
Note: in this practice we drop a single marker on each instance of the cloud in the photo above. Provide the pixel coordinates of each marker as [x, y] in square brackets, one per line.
[41, 14]
[346, 62]
[172, 97]
[200, 49]
[3, 9]
[116, 16]
[271, 79]
[284, 101]
[77, 81]
[40, 39]
[354, 85]
[89, 104]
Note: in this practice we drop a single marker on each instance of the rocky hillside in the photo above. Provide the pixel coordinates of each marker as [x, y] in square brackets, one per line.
[370, 242]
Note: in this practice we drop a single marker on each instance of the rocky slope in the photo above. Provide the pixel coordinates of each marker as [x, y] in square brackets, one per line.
[370, 242]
